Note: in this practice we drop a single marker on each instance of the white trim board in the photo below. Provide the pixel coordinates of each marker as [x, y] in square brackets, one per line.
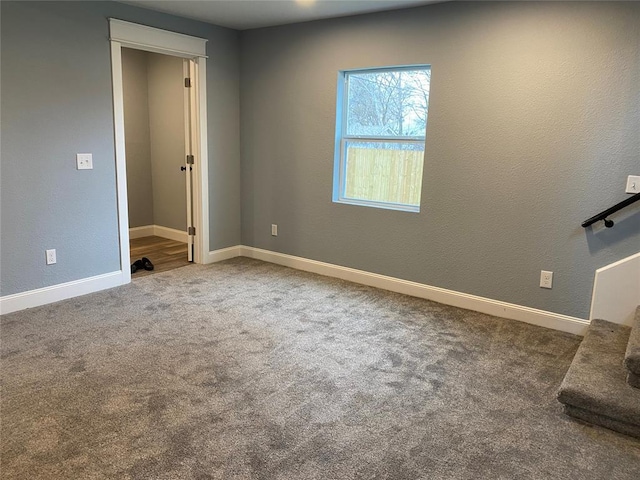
[158, 231]
[156, 40]
[139, 232]
[498, 308]
[616, 291]
[223, 254]
[565, 323]
[76, 288]
[62, 291]
[121, 168]
[170, 233]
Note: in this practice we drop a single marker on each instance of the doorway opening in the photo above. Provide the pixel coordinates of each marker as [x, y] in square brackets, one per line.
[159, 87]
[157, 144]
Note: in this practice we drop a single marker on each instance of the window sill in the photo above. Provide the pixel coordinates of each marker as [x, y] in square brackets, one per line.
[384, 205]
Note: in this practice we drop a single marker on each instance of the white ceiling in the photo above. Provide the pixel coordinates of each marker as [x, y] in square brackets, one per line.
[246, 14]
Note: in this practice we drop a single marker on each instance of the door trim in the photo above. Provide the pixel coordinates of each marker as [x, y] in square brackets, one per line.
[142, 37]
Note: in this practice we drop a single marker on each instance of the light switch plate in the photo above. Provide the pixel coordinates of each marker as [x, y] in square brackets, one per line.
[84, 161]
[633, 184]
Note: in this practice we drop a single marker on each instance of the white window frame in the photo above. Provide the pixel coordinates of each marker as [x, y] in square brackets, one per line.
[342, 137]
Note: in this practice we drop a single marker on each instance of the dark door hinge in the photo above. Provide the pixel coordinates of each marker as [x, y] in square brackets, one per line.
[191, 230]
[187, 82]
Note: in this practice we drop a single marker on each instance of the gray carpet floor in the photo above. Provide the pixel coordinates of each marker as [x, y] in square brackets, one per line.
[247, 370]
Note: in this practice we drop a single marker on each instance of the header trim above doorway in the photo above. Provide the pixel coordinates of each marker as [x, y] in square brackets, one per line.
[155, 40]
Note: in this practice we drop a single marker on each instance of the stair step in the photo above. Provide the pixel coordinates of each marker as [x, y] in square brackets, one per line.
[602, 420]
[595, 388]
[632, 355]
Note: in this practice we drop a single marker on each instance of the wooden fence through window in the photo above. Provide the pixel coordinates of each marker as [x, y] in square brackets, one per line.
[384, 175]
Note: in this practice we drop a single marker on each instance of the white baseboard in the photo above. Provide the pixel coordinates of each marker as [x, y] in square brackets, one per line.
[63, 291]
[55, 293]
[158, 231]
[139, 232]
[223, 254]
[498, 308]
[616, 291]
[170, 233]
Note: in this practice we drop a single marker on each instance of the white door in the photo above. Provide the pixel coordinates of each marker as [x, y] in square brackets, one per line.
[189, 158]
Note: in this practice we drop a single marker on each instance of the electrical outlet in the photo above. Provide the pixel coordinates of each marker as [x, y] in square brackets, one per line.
[51, 256]
[84, 161]
[274, 230]
[633, 184]
[546, 279]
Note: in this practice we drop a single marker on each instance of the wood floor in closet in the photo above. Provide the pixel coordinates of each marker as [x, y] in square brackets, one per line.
[164, 254]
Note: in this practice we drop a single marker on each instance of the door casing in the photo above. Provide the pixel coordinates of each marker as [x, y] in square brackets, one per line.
[141, 37]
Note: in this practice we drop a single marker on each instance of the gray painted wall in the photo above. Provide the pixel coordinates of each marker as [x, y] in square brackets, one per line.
[534, 124]
[166, 124]
[56, 102]
[137, 137]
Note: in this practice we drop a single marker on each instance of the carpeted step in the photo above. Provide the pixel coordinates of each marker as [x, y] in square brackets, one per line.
[595, 387]
[632, 355]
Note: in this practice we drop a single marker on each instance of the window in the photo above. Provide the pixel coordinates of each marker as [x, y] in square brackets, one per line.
[380, 133]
